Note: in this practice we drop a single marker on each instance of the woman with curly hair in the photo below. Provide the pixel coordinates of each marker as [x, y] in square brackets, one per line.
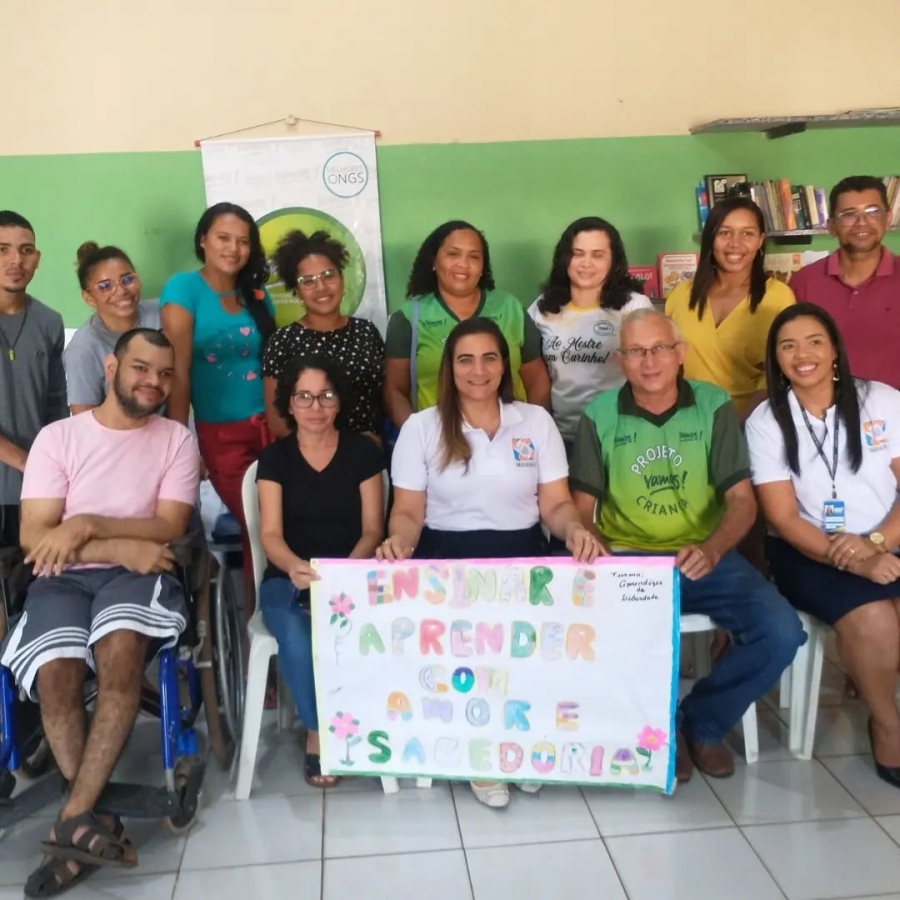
[313, 267]
[320, 495]
[218, 320]
[582, 304]
[451, 281]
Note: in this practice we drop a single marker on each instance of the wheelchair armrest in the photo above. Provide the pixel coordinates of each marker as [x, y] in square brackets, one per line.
[188, 548]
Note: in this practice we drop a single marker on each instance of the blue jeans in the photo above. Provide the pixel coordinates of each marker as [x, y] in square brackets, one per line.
[290, 625]
[765, 633]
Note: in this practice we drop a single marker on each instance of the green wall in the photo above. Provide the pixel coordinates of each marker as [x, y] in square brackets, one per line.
[522, 194]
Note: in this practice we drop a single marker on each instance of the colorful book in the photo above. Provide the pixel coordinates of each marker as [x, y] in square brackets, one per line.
[647, 276]
[675, 268]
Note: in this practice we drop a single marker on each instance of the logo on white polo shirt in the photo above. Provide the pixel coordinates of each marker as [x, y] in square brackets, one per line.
[523, 452]
[874, 431]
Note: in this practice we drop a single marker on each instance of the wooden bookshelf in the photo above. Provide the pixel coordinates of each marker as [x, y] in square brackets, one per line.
[783, 126]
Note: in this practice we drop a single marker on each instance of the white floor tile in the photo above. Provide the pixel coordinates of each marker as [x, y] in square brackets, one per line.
[790, 791]
[891, 824]
[368, 824]
[693, 806]
[857, 774]
[821, 860]
[774, 743]
[437, 876]
[555, 814]
[265, 830]
[137, 887]
[841, 730]
[537, 873]
[296, 880]
[20, 850]
[690, 865]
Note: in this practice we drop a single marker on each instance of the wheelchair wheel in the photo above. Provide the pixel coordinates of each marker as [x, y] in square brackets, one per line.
[188, 783]
[228, 651]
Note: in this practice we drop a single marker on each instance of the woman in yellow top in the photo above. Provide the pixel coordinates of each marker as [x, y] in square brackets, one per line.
[725, 312]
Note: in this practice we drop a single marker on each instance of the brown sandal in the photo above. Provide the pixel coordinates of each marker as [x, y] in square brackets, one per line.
[96, 846]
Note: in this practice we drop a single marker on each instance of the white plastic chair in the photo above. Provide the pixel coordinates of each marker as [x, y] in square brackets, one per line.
[263, 647]
[800, 685]
[696, 626]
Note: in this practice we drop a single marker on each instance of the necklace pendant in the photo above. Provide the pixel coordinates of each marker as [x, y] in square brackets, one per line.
[12, 355]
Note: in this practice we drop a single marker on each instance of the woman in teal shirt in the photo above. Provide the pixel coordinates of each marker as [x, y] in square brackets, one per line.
[218, 319]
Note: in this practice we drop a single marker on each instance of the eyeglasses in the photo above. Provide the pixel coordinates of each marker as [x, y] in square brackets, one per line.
[641, 352]
[304, 399]
[108, 286]
[309, 281]
[848, 216]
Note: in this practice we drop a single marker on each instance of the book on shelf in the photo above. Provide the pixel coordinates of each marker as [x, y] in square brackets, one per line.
[718, 187]
[647, 276]
[783, 265]
[675, 268]
[702, 204]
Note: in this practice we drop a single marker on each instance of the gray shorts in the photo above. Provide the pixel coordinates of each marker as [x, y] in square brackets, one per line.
[65, 615]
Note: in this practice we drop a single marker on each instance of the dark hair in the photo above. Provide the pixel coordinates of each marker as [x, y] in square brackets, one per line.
[618, 285]
[295, 246]
[294, 369]
[422, 277]
[252, 277]
[856, 184]
[150, 335]
[846, 400]
[91, 254]
[10, 219]
[454, 446]
[705, 277]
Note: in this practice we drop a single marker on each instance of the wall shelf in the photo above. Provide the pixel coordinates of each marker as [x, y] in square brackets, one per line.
[800, 236]
[783, 126]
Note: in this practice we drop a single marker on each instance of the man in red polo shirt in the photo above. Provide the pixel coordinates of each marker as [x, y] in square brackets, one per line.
[859, 284]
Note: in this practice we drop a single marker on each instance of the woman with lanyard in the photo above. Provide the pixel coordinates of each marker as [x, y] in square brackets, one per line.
[451, 281]
[313, 267]
[825, 452]
[112, 287]
[583, 302]
[476, 476]
[218, 320]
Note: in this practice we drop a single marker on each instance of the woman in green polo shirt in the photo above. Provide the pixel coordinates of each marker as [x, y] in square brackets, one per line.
[451, 280]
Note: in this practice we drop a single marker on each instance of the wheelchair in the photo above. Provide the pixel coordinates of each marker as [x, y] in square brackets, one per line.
[202, 673]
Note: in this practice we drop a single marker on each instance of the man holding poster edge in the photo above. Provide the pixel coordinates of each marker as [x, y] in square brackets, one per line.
[660, 467]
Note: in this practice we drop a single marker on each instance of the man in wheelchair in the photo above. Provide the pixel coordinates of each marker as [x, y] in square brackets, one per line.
[104, 493]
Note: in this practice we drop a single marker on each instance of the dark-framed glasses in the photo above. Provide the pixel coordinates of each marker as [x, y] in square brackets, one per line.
[305, 399]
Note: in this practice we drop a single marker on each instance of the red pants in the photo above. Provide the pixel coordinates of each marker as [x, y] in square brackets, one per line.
[229, 449]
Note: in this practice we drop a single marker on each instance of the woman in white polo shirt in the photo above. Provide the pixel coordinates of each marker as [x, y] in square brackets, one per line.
[825, 451]
[475, 476]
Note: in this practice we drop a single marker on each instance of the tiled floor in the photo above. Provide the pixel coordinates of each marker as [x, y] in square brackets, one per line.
[780, 829]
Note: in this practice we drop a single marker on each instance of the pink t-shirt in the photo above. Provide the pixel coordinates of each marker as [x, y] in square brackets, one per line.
[106, 472]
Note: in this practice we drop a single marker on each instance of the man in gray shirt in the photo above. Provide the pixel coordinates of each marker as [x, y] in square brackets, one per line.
[32, 378]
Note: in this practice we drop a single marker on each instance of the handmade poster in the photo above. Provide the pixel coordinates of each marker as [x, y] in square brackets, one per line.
[322, 183]
[539, 670]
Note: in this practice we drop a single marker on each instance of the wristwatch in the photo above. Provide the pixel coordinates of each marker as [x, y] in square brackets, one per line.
[877, 538]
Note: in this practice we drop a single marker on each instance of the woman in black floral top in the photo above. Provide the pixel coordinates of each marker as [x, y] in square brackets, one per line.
[314, 265]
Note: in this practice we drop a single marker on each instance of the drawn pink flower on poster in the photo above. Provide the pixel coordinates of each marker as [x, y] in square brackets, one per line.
[341, 607]
[345, 728]
[649, 741]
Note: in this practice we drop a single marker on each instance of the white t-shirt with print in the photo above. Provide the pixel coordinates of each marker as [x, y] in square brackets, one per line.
[577, 346]
[868, 494]
[499, 490]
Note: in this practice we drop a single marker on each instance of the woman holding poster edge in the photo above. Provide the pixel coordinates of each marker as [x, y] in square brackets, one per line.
[451, 281]
[475, 476]
[320, 495]
[825, 452]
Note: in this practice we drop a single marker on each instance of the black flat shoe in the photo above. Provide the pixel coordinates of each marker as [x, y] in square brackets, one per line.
[890, 774]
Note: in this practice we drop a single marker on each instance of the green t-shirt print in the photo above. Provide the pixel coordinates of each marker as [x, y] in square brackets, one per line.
[659, 480]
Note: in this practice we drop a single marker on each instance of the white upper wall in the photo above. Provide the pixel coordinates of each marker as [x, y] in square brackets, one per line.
[124, 75]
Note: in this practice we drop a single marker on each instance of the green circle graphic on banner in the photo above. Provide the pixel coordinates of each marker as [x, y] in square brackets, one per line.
[275, 225]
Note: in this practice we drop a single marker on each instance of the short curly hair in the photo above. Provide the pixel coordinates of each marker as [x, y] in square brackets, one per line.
[330, 368]
[295, 246]
[423, 279]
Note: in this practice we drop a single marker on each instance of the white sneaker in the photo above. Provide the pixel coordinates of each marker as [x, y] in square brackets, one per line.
[528, 787]
[494, 794]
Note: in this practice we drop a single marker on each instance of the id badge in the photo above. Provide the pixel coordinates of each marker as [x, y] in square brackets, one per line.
[834, 516]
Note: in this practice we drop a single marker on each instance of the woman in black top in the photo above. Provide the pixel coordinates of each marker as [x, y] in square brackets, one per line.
[314, 268]
[320, 495]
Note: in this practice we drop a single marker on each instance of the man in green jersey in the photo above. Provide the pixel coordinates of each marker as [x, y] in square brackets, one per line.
[660, 466]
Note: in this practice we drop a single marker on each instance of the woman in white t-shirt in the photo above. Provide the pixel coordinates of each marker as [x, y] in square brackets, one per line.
[475, 476]
[825, 451]
[584, 300]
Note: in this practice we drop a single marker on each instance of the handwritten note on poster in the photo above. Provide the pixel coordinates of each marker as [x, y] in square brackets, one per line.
[521, 670]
